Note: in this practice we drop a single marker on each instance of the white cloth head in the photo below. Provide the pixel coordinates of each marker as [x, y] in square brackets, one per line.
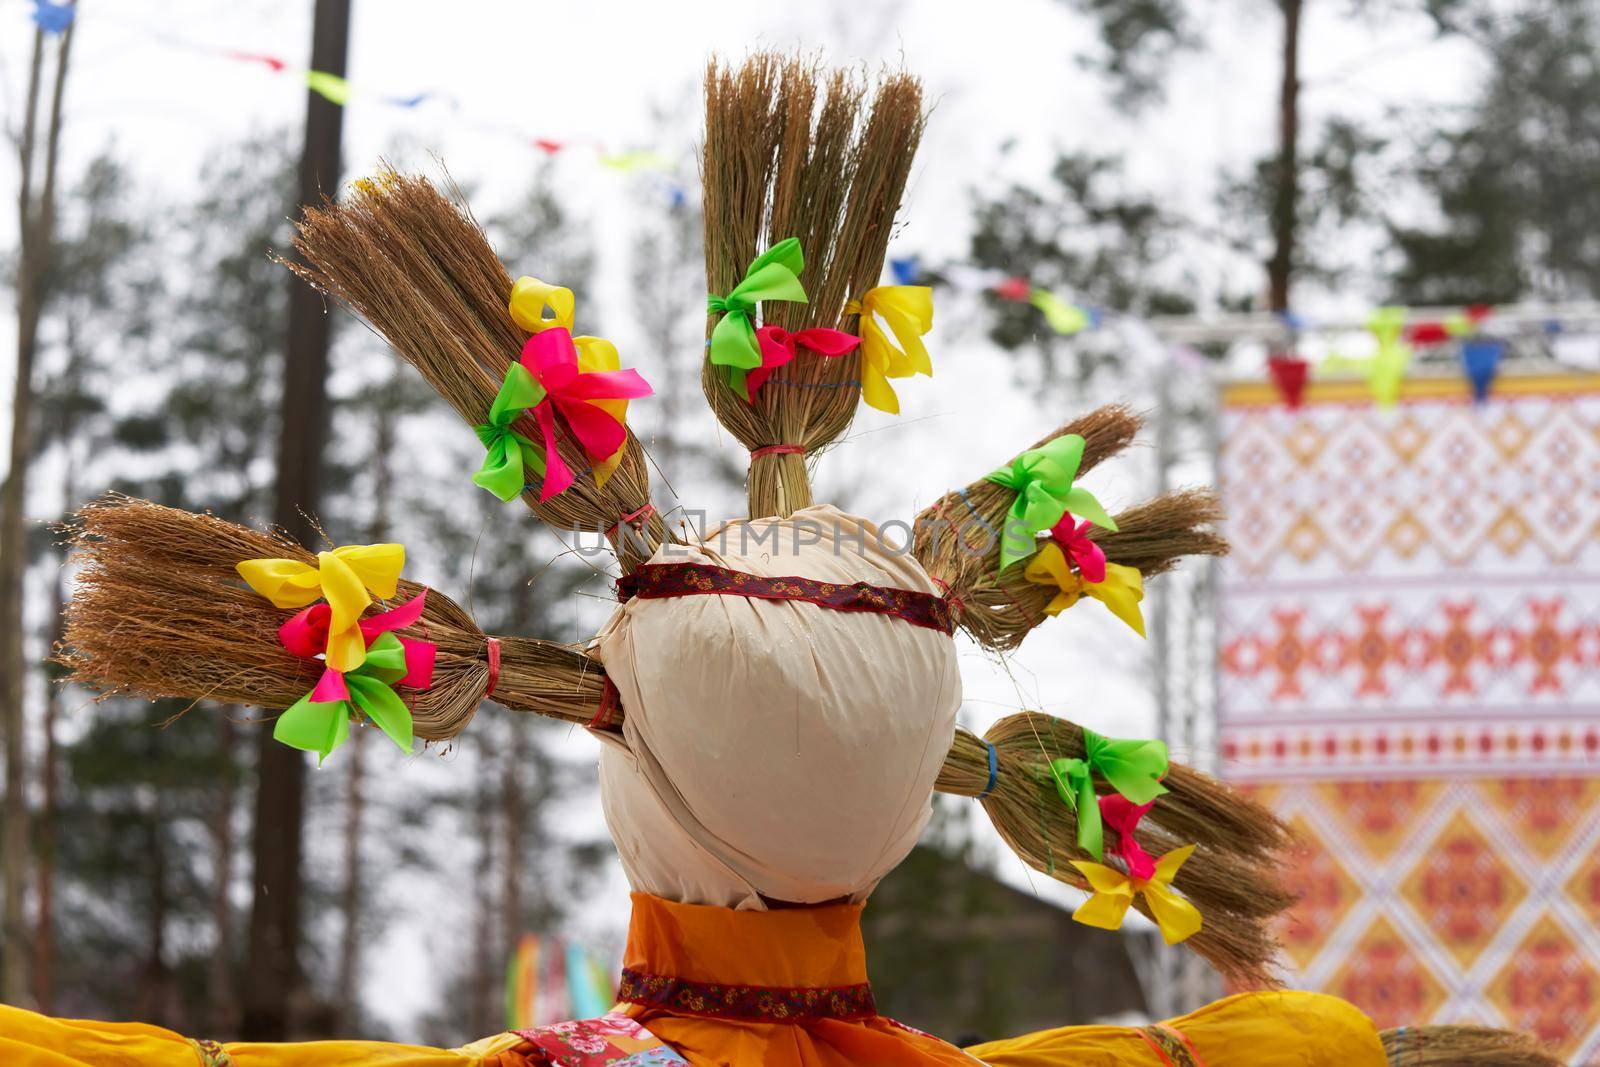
[775, 749]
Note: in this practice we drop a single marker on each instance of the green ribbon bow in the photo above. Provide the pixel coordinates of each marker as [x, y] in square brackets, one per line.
[773, 275]
[321, 727]
[505, 468]
[1042, 479]
[1134, 769]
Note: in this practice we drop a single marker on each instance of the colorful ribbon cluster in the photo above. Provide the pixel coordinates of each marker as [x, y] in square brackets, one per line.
[579, 378]
[363, 658]
[1135, 770]
[1118, 587]
[1042, 479]
[750, 355]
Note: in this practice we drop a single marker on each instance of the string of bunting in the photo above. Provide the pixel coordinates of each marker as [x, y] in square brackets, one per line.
[1398, 336]
[53, 18]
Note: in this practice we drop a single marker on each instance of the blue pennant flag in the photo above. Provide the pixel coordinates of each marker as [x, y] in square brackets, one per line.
[52, 19]
[905, 271]
[1481, 356]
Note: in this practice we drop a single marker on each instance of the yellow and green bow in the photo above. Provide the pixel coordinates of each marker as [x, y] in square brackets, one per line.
[322, 726]
[1134, 769]
[1120, 592]
[908, 311]
[1113, 892]
[1042, 479]
[344, 577]
[773, 275]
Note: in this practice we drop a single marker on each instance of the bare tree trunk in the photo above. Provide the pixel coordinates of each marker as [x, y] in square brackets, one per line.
[222, 995]
[510, 828]
[273, 978]
[351, 899]
[482, 983]
[1286, 194]
[156, 1002]
[36, 232]
[45, 839]
[353, 896]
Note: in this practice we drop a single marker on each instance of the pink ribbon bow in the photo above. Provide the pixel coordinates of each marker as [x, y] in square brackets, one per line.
[552, 359]
[1074, 539]
[778, 347]
[306, 635]
[1123, 815]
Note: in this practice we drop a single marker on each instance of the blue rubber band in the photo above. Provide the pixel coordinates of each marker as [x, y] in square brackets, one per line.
[994, 771]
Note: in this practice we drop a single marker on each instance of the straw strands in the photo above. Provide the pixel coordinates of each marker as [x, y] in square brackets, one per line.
[795, 150]
[957, 538]
[418, 268]
[159, 611]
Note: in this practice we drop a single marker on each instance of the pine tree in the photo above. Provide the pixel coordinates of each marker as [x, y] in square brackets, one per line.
[1514, 185]
[153, 894]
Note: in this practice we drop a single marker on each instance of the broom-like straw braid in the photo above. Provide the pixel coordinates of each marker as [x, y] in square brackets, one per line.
[1464, 1046]
[159, 611]
[1232, 877]
[957, 539]
[418, 268]
[792, 150]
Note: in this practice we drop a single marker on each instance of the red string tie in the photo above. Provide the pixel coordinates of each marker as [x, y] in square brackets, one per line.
[608, 700]
[642, 513]
[493, 644]
[778, 450]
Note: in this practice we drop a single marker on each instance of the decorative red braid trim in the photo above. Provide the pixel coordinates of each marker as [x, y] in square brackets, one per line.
[494, 664]
[658, 581]
[778, 450]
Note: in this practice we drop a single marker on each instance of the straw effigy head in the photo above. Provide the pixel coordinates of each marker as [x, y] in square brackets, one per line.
[739, 707]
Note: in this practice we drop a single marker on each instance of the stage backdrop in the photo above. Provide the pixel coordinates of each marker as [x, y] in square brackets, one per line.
[1409, 673]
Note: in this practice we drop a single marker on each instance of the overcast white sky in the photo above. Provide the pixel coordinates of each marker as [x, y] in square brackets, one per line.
[147, 78]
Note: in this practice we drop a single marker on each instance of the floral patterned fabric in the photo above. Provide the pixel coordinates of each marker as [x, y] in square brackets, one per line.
[655, 581]
[747, 1003]
[613, 1040]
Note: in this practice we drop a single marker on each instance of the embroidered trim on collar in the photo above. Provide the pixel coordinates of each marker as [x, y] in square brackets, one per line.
[747, 1003]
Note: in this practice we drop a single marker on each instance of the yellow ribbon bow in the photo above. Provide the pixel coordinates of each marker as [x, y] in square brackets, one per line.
[1120, 592]
[1114, 891]
[908, 309]
[530, 300]
[343, 577]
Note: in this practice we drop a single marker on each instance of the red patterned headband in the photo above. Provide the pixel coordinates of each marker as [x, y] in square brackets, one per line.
[657, 581]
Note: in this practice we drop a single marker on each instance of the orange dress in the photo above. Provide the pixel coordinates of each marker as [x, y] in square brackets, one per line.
[712, 987]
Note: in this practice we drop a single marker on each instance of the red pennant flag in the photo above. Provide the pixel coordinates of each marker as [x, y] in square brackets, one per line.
[1013, 289]
[1289, 374]
[1427, 333]
[277, 65]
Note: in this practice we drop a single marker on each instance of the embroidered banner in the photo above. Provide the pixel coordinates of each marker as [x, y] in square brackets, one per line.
[1409, 637]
